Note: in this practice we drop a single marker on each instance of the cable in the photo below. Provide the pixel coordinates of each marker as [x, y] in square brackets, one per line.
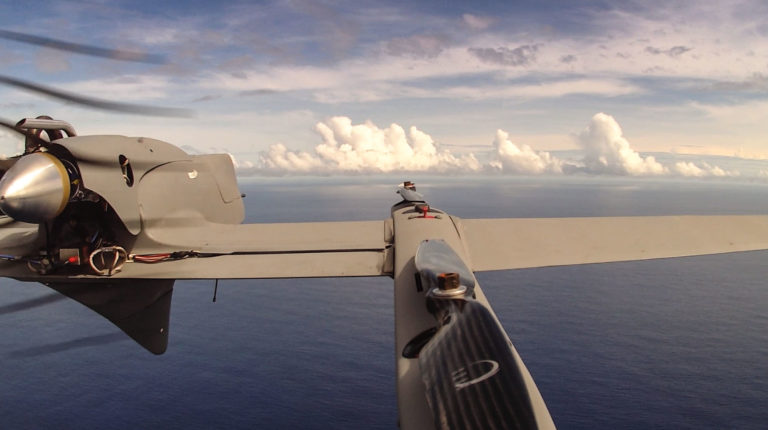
[168, 256]
[118, 255]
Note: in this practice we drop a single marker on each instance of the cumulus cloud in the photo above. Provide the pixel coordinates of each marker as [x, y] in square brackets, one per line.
[511, 158]
[280, 159]
[366, 148]
[240, 165]
[348, 148]
[607, 151]
[687, 168]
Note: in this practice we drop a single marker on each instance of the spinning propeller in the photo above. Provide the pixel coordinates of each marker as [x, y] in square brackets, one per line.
[91, 102]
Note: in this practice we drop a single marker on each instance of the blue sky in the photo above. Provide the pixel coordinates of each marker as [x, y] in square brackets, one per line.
[506, 83]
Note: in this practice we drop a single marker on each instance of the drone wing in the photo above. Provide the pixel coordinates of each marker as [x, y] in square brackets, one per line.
[515, 243]
[364, 248]
[279, 250]
[207, 250]
[137, 299]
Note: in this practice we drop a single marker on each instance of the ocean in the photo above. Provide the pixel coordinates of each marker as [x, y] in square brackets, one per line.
[668, 344]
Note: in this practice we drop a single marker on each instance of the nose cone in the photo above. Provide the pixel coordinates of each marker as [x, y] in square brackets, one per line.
[35, 189]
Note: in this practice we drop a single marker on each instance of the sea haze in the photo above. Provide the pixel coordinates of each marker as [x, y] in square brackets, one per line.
[675, 343]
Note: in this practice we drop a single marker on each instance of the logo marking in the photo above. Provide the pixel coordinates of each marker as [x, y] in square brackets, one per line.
[477, 371]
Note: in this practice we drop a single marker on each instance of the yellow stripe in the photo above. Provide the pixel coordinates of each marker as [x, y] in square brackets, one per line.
[64, 181]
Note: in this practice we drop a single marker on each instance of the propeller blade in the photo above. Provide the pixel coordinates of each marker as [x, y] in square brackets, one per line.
[94, 51]
[471, 377]
[96, 103]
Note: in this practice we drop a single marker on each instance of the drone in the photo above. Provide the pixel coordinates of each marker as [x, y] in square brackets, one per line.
[112, 222]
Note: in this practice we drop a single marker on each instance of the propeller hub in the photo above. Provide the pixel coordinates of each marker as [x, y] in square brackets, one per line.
[35, 189]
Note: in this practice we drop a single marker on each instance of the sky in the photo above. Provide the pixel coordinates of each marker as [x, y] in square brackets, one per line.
[642, 88]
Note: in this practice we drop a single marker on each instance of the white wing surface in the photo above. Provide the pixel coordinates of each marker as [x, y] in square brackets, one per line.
[515, 243]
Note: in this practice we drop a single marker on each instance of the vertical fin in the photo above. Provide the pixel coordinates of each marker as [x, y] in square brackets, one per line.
[140, 308]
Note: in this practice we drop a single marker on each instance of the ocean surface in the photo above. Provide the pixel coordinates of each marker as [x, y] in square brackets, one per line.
[664, 344]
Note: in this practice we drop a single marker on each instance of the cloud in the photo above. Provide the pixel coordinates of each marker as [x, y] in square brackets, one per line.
[10, 144]
[235, 66]
[156, 35]
[741, 126]
[124, 88]
[689, 169]
[258, 92]
[50, 61]
[511, 158]
[419, 46]
[520, 56]
[348, 148]
[206, 98]
[278, 159]
[366, 148]
[476, 22]
[751, 113]
[606, 151]
[336, 30]
[428, 64]
[673, 52]
[541, 90]
[389, 61]
[756, 82]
